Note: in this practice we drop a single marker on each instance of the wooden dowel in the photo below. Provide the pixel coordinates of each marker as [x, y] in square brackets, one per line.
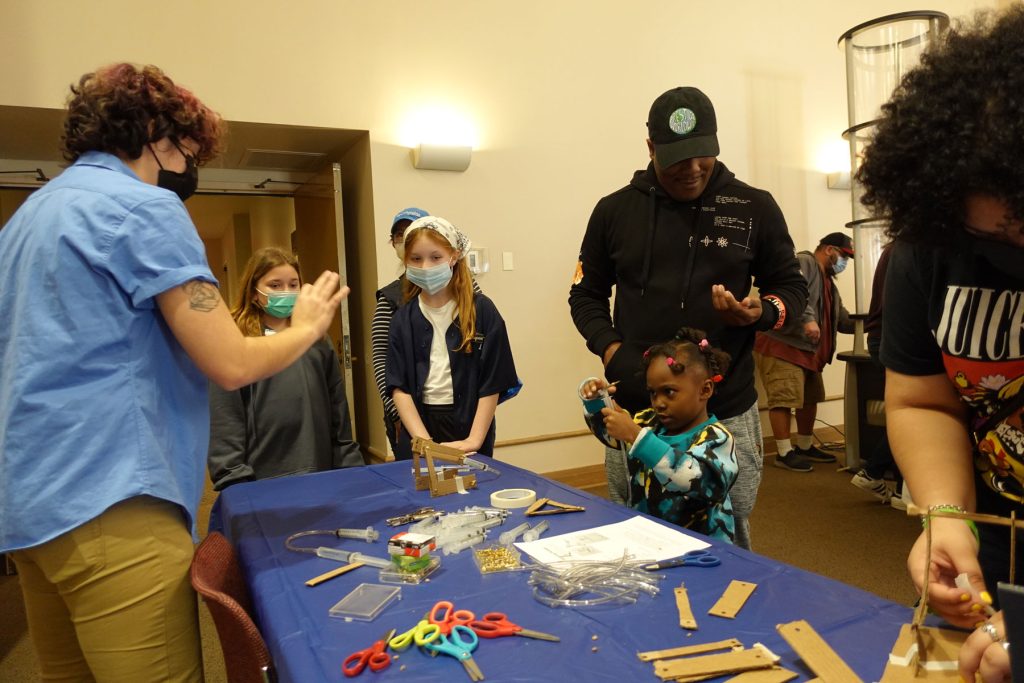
[918, 511]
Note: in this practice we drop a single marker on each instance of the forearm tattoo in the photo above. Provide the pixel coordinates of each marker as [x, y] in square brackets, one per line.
[202, 296]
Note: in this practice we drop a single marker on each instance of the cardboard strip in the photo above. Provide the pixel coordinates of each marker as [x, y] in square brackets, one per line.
[650, 656]
[774, 675]
[686, 619]
[732, 599]
[816, 653]
[730, 662]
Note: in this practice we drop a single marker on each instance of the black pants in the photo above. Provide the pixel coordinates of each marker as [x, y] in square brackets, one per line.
[443, 425]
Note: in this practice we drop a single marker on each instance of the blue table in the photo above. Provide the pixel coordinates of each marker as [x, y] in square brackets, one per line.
[308, 646]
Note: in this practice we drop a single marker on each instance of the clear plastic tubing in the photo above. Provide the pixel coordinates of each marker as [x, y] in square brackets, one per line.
[511, 535]
[350, 556]
[369, 534]
[534, 533]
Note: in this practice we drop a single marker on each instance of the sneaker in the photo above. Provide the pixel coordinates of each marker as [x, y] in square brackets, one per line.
[876, 487]
[793, 461]
[816, 455]
[898, 503]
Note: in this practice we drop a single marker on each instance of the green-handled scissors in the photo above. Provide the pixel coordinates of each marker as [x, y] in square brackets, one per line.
[422, 633]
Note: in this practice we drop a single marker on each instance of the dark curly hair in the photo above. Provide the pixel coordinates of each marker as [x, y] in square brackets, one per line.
[955, 125]
[122, 107]
[693, 346]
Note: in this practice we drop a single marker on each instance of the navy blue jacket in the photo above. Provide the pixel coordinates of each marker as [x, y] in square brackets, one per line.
[487, 369]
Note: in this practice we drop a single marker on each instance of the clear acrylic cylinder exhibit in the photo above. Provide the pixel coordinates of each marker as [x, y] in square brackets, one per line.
[878, 54]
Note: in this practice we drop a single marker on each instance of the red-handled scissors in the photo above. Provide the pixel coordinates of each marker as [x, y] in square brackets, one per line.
[446, 616]
[376, 656]
[496, 625]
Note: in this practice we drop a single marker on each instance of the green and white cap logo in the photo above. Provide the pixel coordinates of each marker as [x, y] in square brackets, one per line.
[682, 121]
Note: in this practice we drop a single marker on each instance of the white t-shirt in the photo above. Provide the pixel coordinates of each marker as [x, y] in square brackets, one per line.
[437, 390]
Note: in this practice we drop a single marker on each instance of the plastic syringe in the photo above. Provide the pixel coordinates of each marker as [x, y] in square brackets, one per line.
[369, 534]
[351, 556]
[534, 533]
[509, 537]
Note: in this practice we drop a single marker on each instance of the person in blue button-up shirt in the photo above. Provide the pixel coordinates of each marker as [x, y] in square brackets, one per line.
[113, 319]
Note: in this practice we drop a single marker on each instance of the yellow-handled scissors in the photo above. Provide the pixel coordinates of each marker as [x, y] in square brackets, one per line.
[422, 633]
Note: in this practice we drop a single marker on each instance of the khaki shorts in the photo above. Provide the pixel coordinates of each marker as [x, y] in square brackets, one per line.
[787, 385]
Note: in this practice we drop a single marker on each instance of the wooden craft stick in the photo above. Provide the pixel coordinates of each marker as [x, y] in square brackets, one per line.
[816, 653]
[686, 619]
[732, 599]
[730, 662]
[651, 655]
[327, 576]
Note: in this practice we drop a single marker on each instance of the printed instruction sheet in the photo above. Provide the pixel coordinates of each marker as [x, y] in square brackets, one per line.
[642, 538]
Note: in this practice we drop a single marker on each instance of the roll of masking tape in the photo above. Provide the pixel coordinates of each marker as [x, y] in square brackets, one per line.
[508, 499]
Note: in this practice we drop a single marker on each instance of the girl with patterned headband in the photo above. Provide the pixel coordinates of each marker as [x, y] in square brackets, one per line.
[449, 360]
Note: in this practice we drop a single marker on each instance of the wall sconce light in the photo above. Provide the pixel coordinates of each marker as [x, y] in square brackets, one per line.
[442, 157]
[839, 180]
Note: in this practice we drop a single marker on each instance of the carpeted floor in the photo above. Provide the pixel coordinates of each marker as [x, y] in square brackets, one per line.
[816, 521]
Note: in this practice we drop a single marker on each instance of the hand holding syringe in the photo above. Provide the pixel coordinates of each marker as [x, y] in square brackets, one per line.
[981, 598]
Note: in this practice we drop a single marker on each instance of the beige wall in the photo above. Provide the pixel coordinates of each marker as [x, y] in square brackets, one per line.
[556, 91]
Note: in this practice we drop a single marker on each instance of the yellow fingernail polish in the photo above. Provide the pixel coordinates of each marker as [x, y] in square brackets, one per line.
[965, 597]
[975, 607]
[986, 597]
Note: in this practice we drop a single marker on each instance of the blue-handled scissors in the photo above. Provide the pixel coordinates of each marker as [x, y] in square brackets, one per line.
[694, 558]
[459, 643]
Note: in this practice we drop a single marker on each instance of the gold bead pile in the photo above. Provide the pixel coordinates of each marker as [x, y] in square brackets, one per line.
[497, 559]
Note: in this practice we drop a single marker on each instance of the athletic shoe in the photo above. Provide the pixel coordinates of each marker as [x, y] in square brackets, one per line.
[816, 455]
[876, 487]
[793, 461]
[898, 503]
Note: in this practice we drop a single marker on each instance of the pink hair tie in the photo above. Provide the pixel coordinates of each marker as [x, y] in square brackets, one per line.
[670, 361]
[703, 344]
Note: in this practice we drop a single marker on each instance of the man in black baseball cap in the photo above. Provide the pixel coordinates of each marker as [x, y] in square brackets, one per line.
[681, 245]
[683, 141]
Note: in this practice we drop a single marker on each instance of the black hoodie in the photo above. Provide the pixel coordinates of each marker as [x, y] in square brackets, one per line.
[662, 256]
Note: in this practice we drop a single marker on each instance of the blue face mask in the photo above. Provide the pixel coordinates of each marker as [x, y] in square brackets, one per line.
[840, 265]
[430, 280]
[280, 304]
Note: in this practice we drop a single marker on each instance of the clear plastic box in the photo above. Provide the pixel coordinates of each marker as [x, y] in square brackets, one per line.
[365, 602]
[395, 575]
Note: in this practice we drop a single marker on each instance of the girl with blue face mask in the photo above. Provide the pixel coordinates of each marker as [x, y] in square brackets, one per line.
[449, 358]
[293, 422]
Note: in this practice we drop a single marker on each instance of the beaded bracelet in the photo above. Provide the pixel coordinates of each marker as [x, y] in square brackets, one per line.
[959, 509]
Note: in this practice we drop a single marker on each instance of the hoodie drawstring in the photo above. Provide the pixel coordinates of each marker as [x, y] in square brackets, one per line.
[652, 221]
[691, 257]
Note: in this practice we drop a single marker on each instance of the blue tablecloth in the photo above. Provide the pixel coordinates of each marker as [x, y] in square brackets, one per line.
[307, 645]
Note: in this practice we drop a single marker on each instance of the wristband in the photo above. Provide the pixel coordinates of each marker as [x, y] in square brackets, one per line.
[959, 509]
[780, 308]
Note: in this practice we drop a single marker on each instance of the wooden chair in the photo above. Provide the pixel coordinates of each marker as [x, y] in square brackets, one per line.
[217, 577]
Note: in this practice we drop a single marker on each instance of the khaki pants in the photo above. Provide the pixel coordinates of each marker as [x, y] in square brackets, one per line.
[111, 599]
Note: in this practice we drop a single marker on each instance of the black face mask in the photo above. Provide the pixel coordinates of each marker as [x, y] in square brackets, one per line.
[1001, 255]
[183, 184]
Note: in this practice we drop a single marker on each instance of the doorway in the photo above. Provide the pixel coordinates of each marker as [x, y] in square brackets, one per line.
[297, 187]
